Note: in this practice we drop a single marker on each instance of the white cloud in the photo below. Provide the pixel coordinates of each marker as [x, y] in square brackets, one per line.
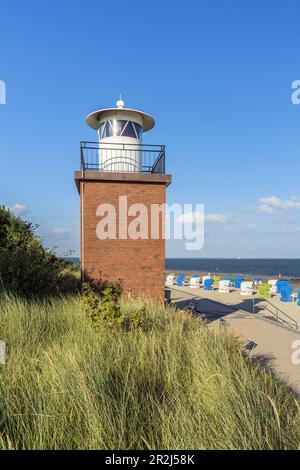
[269, 204]
[58, 231]
[19, 209]
[197, 217]
[190, 218]
[216, 218]
[266, 209]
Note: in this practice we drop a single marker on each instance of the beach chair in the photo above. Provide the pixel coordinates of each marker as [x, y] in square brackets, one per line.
[224, 286]
[264, 291]
[246, 288]
[257, 281]
[286, 294]
[273, 284]
[216, 281]
[237, 282]
[180, 280]
[208, 284]
[281, 285]
[195, 281]
[228, 278]
[204, 278]
[298, 298]
[171, 279]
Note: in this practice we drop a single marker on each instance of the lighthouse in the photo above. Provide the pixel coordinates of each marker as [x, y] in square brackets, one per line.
[121, 183]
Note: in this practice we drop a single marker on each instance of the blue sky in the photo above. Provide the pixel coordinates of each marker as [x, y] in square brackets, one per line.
[215, 75]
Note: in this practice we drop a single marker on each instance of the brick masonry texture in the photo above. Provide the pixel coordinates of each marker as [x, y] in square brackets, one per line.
[139, 264]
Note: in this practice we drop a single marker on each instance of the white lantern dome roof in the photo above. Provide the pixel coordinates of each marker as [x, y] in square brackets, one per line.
[93, 119]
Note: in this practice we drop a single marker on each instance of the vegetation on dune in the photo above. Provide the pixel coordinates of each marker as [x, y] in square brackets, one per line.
[101, 304]
[26, 266]
[105, 372]
[169, 383]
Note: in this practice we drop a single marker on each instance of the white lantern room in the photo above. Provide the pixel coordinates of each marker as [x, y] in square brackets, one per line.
[120, 131]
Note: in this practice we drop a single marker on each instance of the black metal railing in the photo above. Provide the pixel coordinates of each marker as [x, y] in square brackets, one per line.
[137, 158]
[280, 315]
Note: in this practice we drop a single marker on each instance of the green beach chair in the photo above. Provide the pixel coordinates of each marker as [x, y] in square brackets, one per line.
[264, 291]
[216, 280]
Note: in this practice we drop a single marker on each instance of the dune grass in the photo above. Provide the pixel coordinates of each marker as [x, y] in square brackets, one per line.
[173, 384]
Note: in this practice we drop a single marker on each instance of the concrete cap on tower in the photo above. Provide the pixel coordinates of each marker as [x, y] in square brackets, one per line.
[93, 119]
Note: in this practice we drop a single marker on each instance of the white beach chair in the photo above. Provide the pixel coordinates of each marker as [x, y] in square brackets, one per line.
[273, 284]
[224, 286]
[246, 288]
[171, 280]
[195, 281]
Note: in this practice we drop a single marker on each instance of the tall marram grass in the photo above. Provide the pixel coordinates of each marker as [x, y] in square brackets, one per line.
[174, 384]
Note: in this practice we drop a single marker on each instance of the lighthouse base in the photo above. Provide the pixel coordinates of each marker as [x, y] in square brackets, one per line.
[122, 230]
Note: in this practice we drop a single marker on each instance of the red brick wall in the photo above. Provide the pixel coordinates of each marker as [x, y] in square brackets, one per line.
[139, 264]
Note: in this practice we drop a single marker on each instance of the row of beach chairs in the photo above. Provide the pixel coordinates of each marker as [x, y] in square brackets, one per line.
[264, 289]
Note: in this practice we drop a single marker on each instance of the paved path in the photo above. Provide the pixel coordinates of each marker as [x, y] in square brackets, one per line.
[273, 342]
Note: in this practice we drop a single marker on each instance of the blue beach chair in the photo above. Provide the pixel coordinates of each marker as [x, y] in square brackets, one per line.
[286, 294]
[180, 280]
[208, 284]
[237, 282]
[281, 285]
[298, 299]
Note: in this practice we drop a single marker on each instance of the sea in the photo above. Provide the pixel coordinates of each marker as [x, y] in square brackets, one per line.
[248, 267]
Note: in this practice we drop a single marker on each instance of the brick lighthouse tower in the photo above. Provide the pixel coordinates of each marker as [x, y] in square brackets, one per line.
[122, 186]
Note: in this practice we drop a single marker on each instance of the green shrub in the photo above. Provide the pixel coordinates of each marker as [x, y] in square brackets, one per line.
[101, 304]
[26, 266]
[138, 317]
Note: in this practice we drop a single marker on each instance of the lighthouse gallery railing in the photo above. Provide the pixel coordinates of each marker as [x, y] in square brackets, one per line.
[151, 157]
